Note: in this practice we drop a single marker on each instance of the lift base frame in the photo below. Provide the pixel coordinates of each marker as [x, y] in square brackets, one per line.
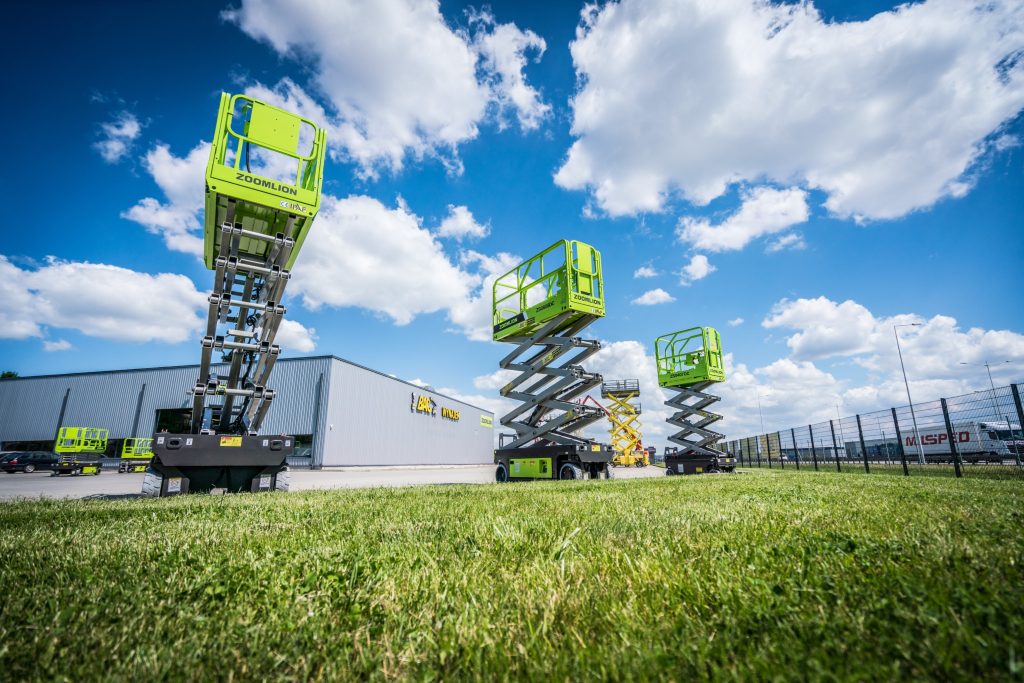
[545, 462]
[191, 463]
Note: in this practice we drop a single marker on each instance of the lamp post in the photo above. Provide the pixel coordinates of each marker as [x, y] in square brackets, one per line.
[992, 386]
[913, 417]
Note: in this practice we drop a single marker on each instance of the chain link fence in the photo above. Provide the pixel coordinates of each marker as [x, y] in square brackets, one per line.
[977, 434]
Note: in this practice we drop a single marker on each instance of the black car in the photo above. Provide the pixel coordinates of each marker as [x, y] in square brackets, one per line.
[27, 461]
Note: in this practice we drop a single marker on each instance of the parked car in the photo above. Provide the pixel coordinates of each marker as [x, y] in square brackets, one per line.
[27, 461]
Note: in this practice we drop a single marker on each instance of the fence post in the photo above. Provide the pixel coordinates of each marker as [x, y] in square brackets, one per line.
[1020, 422]
[768, 444]
[814, 451]
[835, 447]
[863, 448]
[899, 437]
[796, 451]
[778, 440]
[953, 450]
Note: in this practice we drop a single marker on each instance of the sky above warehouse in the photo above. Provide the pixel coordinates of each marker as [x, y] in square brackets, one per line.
[800, 176]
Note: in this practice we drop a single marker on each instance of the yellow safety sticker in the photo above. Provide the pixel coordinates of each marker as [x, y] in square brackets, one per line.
[231, 441]
[595, 447]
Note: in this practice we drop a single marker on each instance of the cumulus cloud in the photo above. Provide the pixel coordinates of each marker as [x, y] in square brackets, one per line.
[884, 116]
[472, 313]
[645, 271]
[697, 269]
[98, 300]
[294, 336]
[764, 210]
[440, 84]
[181, 181]
[790, 240]
[735, 322]
[460, 224]
[117, 137]
[654, 297]
[57, 345]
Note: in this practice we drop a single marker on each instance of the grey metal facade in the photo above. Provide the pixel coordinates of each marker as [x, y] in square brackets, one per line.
[355, 415]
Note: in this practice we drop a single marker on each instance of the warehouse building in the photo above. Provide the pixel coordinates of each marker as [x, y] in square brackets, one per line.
[340, 413]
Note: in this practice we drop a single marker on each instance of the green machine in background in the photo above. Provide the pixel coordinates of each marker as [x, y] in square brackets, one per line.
[79, 450]
[690, 361]
[263, 183]
[136, 455]
[541, 306]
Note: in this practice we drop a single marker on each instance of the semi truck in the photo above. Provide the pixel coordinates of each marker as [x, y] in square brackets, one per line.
[976, 441]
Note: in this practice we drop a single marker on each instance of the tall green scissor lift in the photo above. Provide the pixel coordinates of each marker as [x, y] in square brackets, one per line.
[690, 361]
[263, 182]
[541, 306]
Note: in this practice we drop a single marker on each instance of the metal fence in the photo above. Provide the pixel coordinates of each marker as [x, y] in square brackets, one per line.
[977, 434]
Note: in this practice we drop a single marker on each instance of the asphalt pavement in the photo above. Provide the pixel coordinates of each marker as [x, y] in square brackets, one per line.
[111, 485]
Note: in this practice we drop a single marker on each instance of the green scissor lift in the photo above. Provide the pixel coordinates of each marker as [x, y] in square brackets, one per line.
[690, 361]
[263, 183]
[541, 306]
[136, 455]
[79, 450]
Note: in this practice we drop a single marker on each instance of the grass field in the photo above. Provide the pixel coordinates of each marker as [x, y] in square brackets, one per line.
[763, 575]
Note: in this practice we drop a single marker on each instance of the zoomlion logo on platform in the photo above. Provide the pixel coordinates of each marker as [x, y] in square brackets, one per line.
[263, 182]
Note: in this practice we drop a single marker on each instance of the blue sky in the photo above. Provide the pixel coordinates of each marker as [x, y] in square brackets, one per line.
[801, 177]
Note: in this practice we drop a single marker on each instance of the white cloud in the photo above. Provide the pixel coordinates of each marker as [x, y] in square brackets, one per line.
[765, 210]
[398, 79]
[472, 313]
[58, 345]
[735, 322]
[181, 181]
[645, 271]
[503, 52]
[460, 224]
[884, 116]
[654, 297]
[697, 269]
[117, 137]
[98, 300]
[294, 336]
[790, 240]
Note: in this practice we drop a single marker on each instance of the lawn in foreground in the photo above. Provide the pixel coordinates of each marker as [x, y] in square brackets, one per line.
[758, 575]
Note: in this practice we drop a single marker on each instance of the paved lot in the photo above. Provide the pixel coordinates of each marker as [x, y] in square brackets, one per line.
[115, 485]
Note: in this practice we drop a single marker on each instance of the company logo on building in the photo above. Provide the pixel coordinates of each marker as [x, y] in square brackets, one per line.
[486, 421]
[427, 406]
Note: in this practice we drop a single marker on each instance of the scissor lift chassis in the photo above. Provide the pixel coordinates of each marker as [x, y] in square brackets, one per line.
[590, 463]
[190, 463]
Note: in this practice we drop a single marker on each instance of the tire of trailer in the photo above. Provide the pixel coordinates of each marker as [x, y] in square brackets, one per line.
[283, 480]
[30, 468]
[501, 473]
[569, 472]
[151, 483]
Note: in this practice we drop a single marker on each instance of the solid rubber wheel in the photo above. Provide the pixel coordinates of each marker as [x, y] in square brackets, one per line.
[151, 483]
[29, 469]
[669, 472]
[501, 473]
[569, 471]
[283, 480]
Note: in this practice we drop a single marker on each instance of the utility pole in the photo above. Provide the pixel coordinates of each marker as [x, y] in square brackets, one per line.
[992, 386]
[913, 417]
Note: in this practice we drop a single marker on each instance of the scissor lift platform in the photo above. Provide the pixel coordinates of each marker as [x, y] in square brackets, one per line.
[263, 183]
[541, 306]
[690, 361]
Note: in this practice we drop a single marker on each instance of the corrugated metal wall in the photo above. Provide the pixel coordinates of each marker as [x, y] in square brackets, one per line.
[370, 422]
[356, 416]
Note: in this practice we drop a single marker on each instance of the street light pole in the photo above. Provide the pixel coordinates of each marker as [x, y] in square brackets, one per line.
[992, 386]
[913, 417]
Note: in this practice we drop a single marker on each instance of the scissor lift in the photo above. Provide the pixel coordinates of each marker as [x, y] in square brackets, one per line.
[79, 450]
[256, 222]
[541, 306]
[136, 454]
[690, 361]
[623, 411]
